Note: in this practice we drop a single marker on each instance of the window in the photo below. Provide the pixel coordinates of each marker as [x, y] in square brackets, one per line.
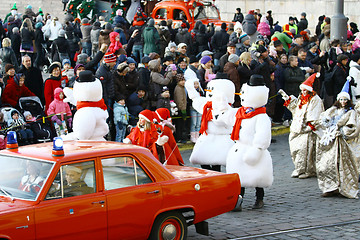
[122, 172]
[161, 13]
[179, 14]
[73, 180]
[22, 178]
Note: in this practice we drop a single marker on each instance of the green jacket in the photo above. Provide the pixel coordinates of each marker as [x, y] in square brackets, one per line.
[151, 40]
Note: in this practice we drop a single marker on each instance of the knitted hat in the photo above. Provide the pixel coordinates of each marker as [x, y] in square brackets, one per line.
[77, 66]
[61, 33]
[8, 66]
[65, 61]
[172, 44]
[145, 59]
[108, 26]
[205, 60]
[233, 58]
[109, 57]
[231, 44]
[244, 37]
[181, 45]
[237, 25]
[130, 60]
[81, 58]
[308, 83]
[180, 60]
[37, 25]
[147, 115]
[165, 88]
[11, 19]
[180, 77]
[53, 66]
[345, 91]
[27, 113]
[86, 76]
[206, 53]
[172, 67]
[163, 113]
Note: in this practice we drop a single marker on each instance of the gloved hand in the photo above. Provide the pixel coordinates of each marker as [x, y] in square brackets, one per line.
[56, 119]
[283, 94]
[70, 122]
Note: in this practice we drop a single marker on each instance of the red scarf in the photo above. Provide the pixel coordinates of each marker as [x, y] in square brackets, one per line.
[206, 117]
[244, 113]
[99, 104]
[305, 99]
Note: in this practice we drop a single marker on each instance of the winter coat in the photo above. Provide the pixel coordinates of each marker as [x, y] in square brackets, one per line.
[355, 73]
[151, 39]
[121, 91]
[132, 81]
[27, 36]
[165, 37]
[15, 44]
[144, 76]
[219, 43]
[39, 39]
[136, 104]
[245, 73]
[180, 97]
[104, 37]
[238, 17]
[121, 114]
[183, 36]
[58, 106]
[264, 28]
[49, 87]
[94, 36]
[202, 39]
[114, 44]
[60, 46]
[293, 77]
[34, 81]
[40, 130]
[302, 25]
[85, 31]
[137, 38]
[13, 92]
[107, 81]
[7, 55]
[340, 73]
[233, 75]
[51, 29]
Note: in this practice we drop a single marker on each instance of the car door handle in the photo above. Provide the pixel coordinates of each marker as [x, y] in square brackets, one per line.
[99, 202]
[152, 192]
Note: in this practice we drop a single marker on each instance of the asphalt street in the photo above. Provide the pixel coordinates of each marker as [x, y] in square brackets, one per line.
[293, 208]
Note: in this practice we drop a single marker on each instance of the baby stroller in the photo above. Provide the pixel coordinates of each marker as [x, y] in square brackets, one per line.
[8, 119]
[35, 107]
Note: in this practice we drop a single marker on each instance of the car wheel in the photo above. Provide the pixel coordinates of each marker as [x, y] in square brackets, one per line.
[169, 226]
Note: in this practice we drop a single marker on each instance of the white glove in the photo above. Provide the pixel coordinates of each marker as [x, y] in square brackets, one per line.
[127, 141]
[69, 94]
[283, 94]
[162, 140]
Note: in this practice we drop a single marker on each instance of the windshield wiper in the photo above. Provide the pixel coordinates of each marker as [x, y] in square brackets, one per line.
[7, 193]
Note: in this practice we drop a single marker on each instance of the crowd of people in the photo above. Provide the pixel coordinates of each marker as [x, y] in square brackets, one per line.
[144, 65]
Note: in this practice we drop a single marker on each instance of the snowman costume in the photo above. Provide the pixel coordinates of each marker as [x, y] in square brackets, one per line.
[90, 118]
[249, 156]
[212, 146]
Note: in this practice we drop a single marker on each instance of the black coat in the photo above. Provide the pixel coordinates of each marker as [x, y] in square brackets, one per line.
[27, 36]
[339, 78]
[293, 77]
[183, 36]
[34, 81]
[219, 43]
[144, 77]
[107, 81]
[202, 39]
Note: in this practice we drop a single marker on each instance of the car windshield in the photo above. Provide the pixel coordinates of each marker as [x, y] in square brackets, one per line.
[22, 178]
[206, 12]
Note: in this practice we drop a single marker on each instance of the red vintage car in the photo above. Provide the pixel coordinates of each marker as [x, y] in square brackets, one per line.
[191, 11]
[105, 190]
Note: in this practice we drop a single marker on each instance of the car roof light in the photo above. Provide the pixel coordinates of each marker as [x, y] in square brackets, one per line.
[58, 147]
[12, 142]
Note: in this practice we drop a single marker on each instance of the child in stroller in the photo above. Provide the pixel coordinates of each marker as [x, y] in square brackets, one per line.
[21, 128]
[42, 132]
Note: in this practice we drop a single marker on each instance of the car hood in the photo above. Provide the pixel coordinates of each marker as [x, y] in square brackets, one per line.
[184, 173]
[6, 204]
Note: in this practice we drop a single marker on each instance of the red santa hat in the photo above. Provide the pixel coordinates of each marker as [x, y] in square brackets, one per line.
[147, 115]
[163, 113]
[308, 83]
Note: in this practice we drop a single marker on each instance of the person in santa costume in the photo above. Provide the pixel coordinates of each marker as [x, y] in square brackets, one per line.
[170, 148]
[251, 133]
[212, 146]
[306, 110]
[145, 133]
[337, 163]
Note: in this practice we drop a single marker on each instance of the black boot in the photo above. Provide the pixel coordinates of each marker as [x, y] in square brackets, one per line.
[259, 203]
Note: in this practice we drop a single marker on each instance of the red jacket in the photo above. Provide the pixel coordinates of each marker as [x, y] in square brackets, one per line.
[13, 92]
[49, 88]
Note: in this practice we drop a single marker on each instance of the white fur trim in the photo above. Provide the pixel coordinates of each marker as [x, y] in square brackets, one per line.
[140, 115]
[343, 94]
[303, 86]
[318, 75]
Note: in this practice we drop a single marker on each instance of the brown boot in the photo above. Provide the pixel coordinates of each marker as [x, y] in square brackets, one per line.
[258, 204]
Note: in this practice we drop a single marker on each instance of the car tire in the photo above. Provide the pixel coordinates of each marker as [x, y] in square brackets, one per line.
[169, 225]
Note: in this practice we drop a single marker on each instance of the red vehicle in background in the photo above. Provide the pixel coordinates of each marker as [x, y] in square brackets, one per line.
[190, 11]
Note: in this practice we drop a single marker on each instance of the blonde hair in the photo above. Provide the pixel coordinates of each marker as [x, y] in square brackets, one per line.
[28, 23]
[6, 42]
[147, 125]
[245, 58]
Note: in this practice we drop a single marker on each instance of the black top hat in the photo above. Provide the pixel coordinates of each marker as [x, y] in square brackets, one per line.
[256, 80]
[86, 76]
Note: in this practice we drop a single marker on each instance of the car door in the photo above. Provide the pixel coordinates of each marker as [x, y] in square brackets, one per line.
[72, 211]
[132, 197]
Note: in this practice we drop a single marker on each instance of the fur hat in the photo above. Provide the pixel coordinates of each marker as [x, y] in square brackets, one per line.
[122, 66]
